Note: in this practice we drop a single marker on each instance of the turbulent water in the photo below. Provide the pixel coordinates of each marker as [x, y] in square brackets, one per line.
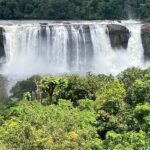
[43, 47]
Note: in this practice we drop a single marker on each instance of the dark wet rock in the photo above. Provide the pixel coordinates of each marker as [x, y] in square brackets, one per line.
[43, 32]
[2, 40]
[119, 36]
[145, 35]
[43, 24]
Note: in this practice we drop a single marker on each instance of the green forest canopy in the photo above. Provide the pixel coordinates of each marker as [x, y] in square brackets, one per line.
[74, 9]
[93, 112]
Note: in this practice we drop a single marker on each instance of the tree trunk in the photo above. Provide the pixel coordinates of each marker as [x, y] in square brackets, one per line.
[50, 98]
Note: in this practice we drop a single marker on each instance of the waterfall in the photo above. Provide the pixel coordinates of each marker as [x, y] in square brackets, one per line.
[103, 53]
[62, 47]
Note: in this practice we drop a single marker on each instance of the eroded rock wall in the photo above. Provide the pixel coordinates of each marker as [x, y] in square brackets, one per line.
[145, 35]
[2, 40]
[119, 35]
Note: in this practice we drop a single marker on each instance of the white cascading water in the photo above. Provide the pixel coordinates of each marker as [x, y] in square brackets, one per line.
[103, 53]
[29, 53]
[53, 48]
[135, 49]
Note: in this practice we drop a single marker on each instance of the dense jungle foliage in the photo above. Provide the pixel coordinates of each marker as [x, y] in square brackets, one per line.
[72, 112]
[74, 9]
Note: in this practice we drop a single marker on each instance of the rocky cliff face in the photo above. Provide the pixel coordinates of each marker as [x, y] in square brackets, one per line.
[2, 39]
[119, 35]
[145, 35]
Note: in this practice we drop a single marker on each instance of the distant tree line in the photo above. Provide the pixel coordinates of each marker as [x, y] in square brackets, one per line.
[74, 9]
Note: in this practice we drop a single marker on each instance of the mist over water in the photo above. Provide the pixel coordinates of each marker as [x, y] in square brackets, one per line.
[63, 47]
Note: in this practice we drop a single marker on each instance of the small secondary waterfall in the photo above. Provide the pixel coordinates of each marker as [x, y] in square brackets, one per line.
[109, 60]
[103, 53]
[52, 48]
